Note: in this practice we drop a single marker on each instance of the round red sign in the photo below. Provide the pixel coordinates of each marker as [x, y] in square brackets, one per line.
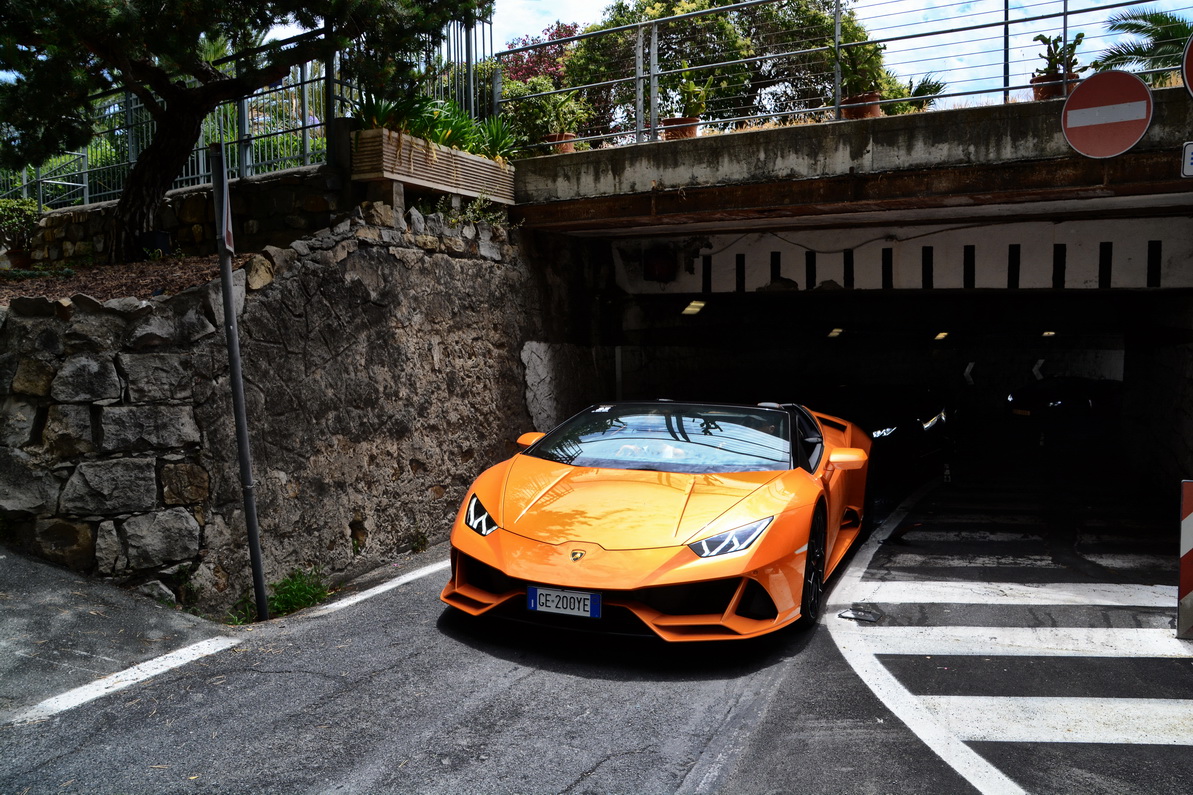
[1187, 65]
[1107, 114]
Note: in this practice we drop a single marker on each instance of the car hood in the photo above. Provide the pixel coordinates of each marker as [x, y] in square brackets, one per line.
[617, 508]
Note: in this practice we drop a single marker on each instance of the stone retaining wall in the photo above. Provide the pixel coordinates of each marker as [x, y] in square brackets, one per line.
[271, 209]
[383, 372]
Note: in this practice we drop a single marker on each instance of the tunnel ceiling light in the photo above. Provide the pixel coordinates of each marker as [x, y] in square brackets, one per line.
[941, 335]
[1049, 334]
[837, 332]
[693, 308]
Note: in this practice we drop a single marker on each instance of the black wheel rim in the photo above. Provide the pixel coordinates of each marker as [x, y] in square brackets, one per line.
[814, 571]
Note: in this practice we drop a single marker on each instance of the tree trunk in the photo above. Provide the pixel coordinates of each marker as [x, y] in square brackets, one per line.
[152, 175]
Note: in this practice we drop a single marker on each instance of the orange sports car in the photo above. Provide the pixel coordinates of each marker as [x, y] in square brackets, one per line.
[696, 521]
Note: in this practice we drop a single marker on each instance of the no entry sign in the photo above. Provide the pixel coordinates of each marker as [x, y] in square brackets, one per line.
[1107, 114]
[1187, 65]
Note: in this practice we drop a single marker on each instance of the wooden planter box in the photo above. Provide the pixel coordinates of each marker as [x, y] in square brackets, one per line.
[385, 154]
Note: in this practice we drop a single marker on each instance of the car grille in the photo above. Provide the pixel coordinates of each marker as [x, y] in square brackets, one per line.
[699, 598]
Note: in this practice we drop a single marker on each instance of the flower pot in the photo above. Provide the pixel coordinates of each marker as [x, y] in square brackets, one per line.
[680, 127]
[381, 154]
[563, 142]
[861, 106]
[1049, 86]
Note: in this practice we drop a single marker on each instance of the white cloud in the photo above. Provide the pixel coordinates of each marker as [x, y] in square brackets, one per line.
[513, 19]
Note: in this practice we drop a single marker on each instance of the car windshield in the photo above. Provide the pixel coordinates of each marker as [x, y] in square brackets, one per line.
[672, 437]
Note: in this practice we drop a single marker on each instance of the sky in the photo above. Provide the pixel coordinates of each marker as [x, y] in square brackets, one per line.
[513, 19]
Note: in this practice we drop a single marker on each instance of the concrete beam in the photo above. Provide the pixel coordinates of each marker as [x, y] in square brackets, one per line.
[963, 162]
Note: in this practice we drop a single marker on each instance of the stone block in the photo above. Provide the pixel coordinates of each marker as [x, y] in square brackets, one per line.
[215, 299]
[86, 378]
[24, 486]
[137, 428]
[67, 542]
[107, 487]
[68, 431]
[156, 377]
[184, 484]
[193, 208]
[258, 273]
[110, 555]
[17, 418]
[33, 377]
[150, 332]
[159, 538]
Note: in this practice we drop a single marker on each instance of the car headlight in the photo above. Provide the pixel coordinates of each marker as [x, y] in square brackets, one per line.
[731, 541]
[477, 518]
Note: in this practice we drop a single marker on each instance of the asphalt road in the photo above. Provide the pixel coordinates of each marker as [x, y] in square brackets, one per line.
[395, 693]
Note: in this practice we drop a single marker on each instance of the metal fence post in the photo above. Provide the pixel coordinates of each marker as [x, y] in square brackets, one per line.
[639, 85]
[654, 81]
[497, 87]
[837, 60]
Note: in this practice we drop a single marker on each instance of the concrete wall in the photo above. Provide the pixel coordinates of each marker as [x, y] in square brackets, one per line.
[936, 140]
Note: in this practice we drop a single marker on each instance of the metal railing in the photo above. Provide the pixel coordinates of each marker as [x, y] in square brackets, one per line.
[278, 127]
[770, 66]
[767, 67]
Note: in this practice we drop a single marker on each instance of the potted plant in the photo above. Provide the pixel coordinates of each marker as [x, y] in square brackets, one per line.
[693, 99]
[429, 143]
[862, 73]
[18, 226]
[564, 113]
[1060, 68]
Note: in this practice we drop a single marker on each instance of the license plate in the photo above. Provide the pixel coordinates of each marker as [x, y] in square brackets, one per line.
[558, 600]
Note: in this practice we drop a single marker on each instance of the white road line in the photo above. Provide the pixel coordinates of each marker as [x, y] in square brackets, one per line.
[985, 777]
[379, 589]
[122, 679]
[1129, 721]
[1017, 641]
[927, 559]
[151, 668]
[996, 593]
[988, 536]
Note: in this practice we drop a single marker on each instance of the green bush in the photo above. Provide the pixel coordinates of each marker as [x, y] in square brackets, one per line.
[18, 223]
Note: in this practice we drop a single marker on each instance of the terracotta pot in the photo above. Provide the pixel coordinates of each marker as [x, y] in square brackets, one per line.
[862, 106]
[680, 127]
[1052, 88]
[563, 142]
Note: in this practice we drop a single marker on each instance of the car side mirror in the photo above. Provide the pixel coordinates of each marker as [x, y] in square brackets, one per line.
[527, 439]
[847, 458]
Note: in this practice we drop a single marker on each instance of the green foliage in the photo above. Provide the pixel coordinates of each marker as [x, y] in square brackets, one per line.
[1159, 43]
[18, 223]
[861, 65]
[532, 114]
[300, 589]
[693, 97]
[497, 139]
[1059, 58]
[37, 272]
[63, 52]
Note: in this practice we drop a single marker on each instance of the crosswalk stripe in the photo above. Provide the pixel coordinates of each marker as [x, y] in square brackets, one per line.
[1019, 641]
[999, 593]
[1132, 721]
[929, 559]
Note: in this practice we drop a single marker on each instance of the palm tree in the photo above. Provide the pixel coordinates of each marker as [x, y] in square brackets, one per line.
[1160, 44]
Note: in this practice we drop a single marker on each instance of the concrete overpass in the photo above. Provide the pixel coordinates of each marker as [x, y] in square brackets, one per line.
[1004, 162]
